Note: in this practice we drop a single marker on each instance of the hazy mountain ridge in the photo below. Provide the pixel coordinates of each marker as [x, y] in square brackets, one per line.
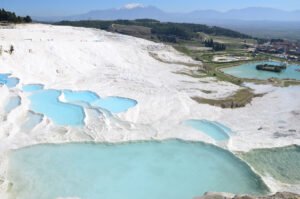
[250, 14]
[257, 13]
[261, 22]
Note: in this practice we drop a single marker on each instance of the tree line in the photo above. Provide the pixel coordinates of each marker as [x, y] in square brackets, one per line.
[214, 45]
[164, 31]
[11, 17]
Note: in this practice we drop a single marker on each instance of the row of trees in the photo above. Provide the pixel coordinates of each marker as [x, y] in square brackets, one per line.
[214, 45]
[11, 17]
[171, 31]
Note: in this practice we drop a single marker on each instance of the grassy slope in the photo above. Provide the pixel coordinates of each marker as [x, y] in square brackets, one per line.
[240, 99]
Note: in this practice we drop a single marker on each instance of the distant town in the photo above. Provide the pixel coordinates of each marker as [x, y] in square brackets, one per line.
[284, 49]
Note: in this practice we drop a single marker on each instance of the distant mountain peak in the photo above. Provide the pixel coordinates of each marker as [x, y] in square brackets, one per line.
[256, 8]
[133, 11]
[132, 6]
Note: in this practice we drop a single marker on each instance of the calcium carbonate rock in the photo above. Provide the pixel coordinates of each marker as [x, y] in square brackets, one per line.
[279, 195]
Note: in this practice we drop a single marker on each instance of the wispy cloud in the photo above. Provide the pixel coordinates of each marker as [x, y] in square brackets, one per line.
[130, 6]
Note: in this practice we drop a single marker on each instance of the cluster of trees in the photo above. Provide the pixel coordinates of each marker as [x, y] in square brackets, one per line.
[209, 43]
[165, 38]
[188, 31]
[276, 40]
[11, 17]
[214, 45]
[167, 32]
[104, 25]
[171, 30]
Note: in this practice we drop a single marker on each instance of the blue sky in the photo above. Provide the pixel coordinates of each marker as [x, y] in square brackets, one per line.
[69, 7]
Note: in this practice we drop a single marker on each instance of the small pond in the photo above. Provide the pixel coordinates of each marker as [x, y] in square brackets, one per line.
[10, 82]
[12, 103]
[46, 102]
[213, 129]
[32, 87]
[249, 71]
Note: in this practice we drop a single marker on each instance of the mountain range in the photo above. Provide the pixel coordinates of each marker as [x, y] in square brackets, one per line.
[137, 12]
[259, 21]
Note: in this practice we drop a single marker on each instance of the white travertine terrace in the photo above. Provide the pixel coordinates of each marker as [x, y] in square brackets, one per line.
[109, 64]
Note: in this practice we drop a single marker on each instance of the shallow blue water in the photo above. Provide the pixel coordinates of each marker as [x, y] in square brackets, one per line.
[80, 96]
[282, 164]
[226, 129]
[145, 170]
[13, 103]
[71, 113]
[3, 78]
[115, 104]
[215, 130]
[249, 71]
[10, 82]
[32, 120]
[32, 87]
[46, 102]
[112, 104]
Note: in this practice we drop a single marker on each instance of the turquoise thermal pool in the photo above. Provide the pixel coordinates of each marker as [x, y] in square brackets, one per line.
[70, 111]
[282, 164]
[10, 82]
[46, 102]
[249, 71]
[115, 104]
[215, 130]
[12, 103]
[32, 87]
[111, 104]
[32, 120]
[169, 169]
[80, 96]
